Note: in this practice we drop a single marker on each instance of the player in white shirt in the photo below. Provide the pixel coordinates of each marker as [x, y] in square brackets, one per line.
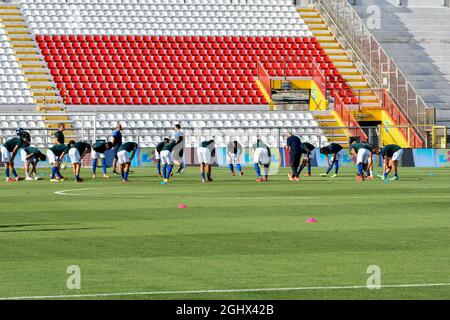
[262, 157]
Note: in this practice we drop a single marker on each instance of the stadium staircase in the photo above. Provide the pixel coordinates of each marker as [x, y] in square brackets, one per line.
[34, 68]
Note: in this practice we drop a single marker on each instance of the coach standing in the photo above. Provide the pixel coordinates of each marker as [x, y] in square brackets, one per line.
[117, 143]
[294, 145]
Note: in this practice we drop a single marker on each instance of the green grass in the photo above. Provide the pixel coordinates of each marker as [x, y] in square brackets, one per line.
[236, 234]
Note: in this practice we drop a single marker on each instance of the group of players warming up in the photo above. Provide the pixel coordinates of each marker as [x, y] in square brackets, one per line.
[170, 152]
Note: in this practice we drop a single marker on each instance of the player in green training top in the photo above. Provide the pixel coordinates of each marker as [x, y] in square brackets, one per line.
[335, 150]
[167, 160]
[98, 151]
[364, 161]
[307, 150]
[391, 154]
[124, 159]
[158, 150]
[31, 157]
[9, 151]
[76, 154]
[55, 156]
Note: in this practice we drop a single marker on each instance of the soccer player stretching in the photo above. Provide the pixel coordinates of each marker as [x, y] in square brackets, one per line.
[31, 157]
[76, 154]
[167, 160]
[391, 154]
[55, 156]
[178, 152]
[124, 159]
[117, 143]
[307, 149]
[158, 150]
[9, 152]
[335, 150]
[262, 156]
[205, 153]
[234, 152]
[98, 151]
[363, 153]
[294, 145]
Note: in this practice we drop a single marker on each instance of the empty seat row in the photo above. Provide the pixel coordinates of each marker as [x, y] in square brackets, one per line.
[146, 17]
[13, 87]
[76, 74]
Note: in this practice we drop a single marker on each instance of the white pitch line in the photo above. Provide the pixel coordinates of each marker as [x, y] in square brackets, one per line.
[155, 293]
[135, 195]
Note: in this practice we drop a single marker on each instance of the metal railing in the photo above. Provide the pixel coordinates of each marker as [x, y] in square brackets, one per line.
[92, 126]
[373, 62]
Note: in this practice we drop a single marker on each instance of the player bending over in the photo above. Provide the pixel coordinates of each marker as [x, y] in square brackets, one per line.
[391, 154]
[117, 140]
[124, 159]
[363, 153]
[31, 157]
[294, 145]
[158, 150]
[262, 157]
[307, 149]
[205, 153]
[234, 152]
[76, 154]
[167, 160]
[55, 156]
[178, 152]
[335, 150]
[9, 151]
[98, 151]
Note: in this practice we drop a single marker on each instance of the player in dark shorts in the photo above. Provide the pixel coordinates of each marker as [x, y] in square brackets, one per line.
[307, 149]
[335, 150]
[294, 145]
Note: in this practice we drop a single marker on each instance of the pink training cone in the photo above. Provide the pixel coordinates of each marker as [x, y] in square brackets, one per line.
[182, 206]
[311, 220]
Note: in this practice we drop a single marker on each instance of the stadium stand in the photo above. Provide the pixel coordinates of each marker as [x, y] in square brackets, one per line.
[13, 87]
[150, 128]
[416, 36]
[165, 53]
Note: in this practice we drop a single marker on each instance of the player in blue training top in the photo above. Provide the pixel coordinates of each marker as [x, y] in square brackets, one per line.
[307, 149]
[335, 150]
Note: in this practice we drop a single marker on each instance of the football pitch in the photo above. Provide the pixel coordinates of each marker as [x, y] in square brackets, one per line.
[238, 239]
